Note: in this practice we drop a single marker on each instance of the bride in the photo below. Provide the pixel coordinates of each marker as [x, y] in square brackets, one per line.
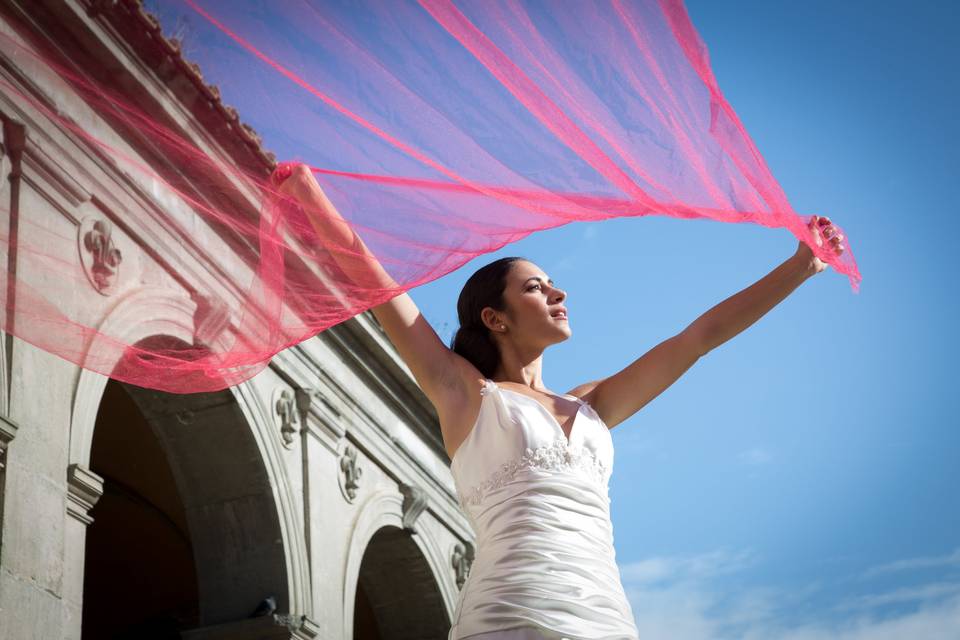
[532, 466]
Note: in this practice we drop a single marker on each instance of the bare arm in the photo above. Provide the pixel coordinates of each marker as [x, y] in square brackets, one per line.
[442, 374]
[619, 396]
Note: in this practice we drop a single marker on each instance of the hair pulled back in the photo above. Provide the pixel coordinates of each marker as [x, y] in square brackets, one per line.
[483, 289]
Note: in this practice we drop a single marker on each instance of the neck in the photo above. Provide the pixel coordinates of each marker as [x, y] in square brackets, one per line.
[521, 369]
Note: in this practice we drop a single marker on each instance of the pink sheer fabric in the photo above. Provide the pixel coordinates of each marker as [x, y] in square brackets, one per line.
[440, 131]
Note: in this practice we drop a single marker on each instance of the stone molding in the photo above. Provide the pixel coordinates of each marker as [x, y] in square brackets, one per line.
[41, 165]
[462, 559]
[210, 320]
[170, 313]
[272, 627]
[414, 502]
[327, 420]
[84, 489]
[8, 431]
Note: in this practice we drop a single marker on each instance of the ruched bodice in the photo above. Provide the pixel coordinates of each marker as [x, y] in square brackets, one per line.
[540, 507]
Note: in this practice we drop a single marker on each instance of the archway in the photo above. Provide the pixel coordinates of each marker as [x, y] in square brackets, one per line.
[225, 510]
[397, 597]
[140, 579]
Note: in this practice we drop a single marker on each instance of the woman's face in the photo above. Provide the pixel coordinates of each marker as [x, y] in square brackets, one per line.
[535, 309]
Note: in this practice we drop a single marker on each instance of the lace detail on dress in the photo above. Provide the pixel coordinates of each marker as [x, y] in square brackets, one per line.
[557, 456]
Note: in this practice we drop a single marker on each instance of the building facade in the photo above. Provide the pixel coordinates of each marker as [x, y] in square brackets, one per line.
[312, 501]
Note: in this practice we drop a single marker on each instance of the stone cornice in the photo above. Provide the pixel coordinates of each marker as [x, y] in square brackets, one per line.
[374, 358]
[8, 431]
[142, 32]
[84, 489]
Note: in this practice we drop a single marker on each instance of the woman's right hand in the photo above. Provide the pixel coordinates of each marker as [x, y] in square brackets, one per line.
[332, 231]
[296, 180]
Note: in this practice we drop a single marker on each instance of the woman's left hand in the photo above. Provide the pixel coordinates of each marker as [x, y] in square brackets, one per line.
[822, 229]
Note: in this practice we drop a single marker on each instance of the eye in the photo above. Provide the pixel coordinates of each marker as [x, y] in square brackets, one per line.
[536, 286]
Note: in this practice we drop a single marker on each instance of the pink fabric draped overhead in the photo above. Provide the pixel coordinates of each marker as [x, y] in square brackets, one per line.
[440, 130]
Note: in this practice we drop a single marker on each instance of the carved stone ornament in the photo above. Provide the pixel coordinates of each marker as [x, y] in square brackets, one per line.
[461, 560]
[414, 502]
[100, 258]
[303, 398]
[211, 318]
[84, 488]
[285, 412]
[350, 473]
[8, 429]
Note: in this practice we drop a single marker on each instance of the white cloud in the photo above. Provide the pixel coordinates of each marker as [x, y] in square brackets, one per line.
[671, 597]
[937, 621]
[678, 598]
[922, 593]
[685, 568]
[912, 564]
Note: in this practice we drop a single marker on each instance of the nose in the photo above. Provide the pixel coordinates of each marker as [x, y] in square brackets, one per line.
[560, 295]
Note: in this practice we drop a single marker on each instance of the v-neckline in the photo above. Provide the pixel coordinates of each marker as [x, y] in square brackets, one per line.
[573, 421]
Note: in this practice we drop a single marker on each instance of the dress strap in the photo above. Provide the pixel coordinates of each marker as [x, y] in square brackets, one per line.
[487, 385]
[580, 400]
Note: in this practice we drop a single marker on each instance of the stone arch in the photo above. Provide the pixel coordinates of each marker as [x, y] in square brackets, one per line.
[442, 566]
[145, 312]
[136, 540]
[399, 571]
[243, 546]
[231, 510]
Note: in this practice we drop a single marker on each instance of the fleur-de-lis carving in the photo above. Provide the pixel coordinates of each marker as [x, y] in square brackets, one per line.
[351, 471]
[286, 409]
[98, 242]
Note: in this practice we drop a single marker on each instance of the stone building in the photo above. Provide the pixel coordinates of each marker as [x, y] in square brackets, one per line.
[313, 501]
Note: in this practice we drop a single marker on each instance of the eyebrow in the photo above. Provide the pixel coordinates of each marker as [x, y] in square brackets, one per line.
[537, 278]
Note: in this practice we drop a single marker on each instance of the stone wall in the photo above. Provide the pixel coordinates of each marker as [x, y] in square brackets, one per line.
[323, 474]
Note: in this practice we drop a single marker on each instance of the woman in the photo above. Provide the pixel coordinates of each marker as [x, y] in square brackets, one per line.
[531, 466]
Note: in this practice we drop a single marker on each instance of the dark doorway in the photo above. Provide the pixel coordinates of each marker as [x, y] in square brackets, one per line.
[140, 579]
[397, 596]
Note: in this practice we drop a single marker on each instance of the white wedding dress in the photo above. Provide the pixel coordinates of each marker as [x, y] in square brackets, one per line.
[539, 504]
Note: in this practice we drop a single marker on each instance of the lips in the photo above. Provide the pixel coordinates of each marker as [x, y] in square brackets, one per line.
[560, 313]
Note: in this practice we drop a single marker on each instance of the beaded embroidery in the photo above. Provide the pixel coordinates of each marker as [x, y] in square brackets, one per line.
[556, 456]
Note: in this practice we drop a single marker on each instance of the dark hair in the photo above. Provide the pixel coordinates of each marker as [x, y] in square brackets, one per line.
[483, 289]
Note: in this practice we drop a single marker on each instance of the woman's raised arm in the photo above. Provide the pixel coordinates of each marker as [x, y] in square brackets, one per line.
[444, 376]
[619, 396]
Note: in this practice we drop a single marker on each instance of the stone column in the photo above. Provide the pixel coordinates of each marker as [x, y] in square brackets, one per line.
[14, 142]
[14, 145]
[8, 429]
[84, 489]
[323, 431]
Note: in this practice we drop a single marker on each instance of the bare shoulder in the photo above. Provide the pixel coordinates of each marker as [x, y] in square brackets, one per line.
[585, 391]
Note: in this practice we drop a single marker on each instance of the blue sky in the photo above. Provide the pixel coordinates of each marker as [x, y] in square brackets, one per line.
[800, 481]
